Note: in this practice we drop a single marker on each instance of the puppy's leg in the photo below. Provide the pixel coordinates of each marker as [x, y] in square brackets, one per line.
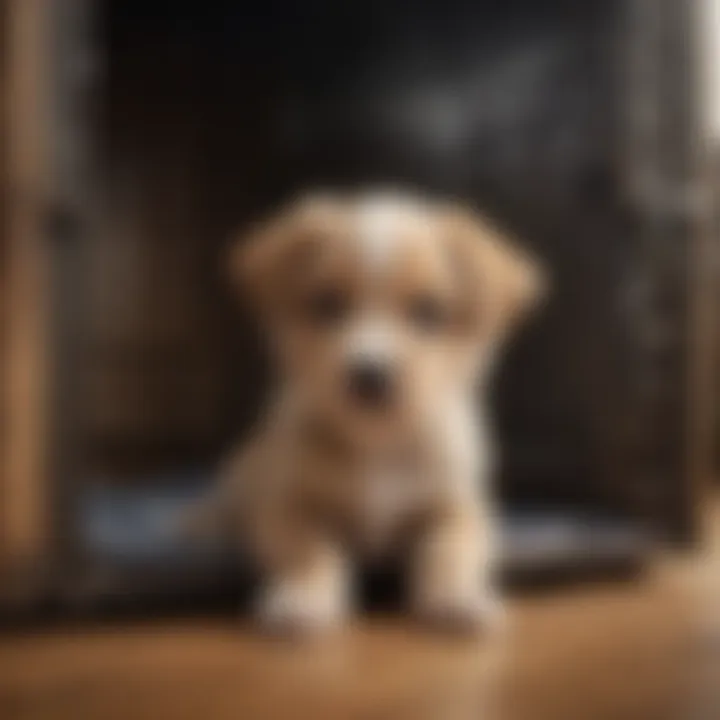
[306, 588]
[451, 573]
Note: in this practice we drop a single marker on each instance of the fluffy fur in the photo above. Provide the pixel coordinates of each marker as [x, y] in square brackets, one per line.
[423, 294]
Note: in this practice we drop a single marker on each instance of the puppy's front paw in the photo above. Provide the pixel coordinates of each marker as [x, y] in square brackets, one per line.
[294, 607]
[465, 614]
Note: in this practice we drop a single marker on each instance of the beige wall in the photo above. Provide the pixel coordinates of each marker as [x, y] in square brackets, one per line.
[709, 46]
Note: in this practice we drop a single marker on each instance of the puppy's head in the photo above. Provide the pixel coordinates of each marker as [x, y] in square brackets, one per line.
[379, 306]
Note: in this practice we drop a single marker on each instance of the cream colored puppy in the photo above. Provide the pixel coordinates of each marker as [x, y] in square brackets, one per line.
[383, 313]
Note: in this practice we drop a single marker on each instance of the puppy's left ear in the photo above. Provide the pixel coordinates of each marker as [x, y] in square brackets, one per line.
[501, 283]
[264, 261]
[260, 259]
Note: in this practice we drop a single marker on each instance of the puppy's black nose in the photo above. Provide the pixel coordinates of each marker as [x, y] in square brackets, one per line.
[370, 382]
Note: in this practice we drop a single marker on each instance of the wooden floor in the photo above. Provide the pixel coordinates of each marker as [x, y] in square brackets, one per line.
[631, 651]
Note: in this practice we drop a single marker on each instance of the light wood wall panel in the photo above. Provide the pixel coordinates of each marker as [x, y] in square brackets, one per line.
[23, 518]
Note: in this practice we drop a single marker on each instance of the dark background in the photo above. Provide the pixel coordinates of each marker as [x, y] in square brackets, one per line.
[221, 112]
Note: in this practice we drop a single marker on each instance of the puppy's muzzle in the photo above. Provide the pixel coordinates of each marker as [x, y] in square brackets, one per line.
[370, 383]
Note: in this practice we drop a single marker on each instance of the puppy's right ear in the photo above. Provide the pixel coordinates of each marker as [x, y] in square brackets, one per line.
[502, 282]
[264, 260]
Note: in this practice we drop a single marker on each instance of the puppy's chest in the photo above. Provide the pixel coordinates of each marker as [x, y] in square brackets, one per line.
[385, 498]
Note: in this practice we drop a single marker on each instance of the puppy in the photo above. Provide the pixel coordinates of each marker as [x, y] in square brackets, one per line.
[383, 314]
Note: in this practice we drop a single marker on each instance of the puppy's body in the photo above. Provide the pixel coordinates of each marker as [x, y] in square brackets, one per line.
[383, 313]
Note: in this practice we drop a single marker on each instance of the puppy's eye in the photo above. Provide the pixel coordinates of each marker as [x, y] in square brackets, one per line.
[328, 306]
[427, 313]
